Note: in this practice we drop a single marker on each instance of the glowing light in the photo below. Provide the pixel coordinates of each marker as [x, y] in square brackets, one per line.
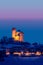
[38, 53]
[13, 33]
[7, 53]
[18, 53]
[27, 53]
[17, 36]
[22, 52]
[21, 36]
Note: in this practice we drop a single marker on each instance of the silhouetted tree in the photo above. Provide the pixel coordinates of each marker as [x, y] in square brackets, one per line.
[11, 41]
[4, 40]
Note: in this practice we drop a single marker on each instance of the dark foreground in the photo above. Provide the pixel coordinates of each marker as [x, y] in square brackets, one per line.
[11, 60]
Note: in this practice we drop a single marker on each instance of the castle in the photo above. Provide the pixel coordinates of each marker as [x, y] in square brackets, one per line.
[17, 35]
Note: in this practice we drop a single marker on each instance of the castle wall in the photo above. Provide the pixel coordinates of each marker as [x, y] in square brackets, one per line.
[13, 33]
[17, 36]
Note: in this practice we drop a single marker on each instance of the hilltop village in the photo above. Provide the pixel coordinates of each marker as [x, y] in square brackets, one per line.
[17, 47]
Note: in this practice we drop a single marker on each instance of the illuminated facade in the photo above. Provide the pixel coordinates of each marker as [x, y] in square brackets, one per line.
[17, 36]
[21, 36]
[13, 33]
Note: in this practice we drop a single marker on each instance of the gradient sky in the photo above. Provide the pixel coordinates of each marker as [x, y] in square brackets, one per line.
[21, 9]
[26, 15]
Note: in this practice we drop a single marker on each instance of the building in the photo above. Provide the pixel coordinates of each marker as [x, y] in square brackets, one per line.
[17, 35]
[21, 36]
[13, 33]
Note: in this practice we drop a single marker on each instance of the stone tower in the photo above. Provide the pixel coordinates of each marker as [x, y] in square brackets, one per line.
[17, 35]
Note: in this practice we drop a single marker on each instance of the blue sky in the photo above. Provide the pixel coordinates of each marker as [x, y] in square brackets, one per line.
[21, 9]
[21, 4]
[26, 15]
[33, 29]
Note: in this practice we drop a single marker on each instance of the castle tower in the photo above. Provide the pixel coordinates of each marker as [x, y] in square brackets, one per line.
[17, 36]
[13, 33]
[21, 38]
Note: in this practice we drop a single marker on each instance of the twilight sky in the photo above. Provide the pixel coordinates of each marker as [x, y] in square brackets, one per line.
[26, 15]
[21, 9]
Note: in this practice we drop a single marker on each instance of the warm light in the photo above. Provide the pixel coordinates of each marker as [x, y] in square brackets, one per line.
[21, 52]
[38, 53]
[18, 53]
[21, 37]
[17, 36]
[27, 53]
[13, 33]
[7, 53]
